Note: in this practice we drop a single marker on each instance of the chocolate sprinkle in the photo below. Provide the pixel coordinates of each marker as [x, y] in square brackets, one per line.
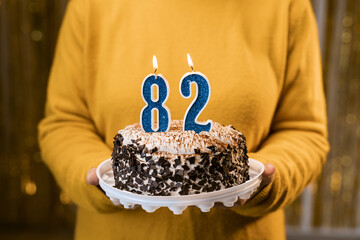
[185, 167]
[191, 160]
[154, 150]
[177, 161]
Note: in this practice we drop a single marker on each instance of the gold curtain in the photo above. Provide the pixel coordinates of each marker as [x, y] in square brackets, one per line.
[30, 199]
[338, 198]
[333, 203]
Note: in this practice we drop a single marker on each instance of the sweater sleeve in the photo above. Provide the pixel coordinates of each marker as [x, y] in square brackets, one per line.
[297, 144]
[69, 141]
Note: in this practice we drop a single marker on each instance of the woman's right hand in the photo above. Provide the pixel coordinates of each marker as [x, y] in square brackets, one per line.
[92, 179]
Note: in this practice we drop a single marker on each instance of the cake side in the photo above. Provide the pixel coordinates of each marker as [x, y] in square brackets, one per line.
[179, 162]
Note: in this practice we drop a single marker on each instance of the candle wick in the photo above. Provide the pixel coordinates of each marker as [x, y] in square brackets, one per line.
[155, 73]
[192, 68]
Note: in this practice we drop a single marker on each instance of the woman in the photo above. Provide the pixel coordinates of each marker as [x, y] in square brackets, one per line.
[263, 63]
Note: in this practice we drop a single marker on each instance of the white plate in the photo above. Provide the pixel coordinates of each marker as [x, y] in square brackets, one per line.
[177, 204]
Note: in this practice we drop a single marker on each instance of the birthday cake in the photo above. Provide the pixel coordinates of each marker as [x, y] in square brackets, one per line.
[179, 162]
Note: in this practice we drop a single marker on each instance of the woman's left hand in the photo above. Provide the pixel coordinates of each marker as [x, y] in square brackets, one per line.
[267, 178]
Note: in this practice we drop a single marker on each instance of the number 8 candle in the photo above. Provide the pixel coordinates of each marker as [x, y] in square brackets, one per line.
[199, 102]
[155, 103]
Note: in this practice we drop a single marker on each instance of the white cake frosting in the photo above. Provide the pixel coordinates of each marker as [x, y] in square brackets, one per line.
[176, 141]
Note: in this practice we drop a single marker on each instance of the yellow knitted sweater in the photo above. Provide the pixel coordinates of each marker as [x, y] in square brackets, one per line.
[262, 60]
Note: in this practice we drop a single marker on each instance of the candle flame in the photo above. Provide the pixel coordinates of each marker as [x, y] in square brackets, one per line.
[155, 64]
[190, 62]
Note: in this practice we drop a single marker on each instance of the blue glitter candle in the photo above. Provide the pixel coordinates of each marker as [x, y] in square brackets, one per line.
[155, 103]
[199, 102]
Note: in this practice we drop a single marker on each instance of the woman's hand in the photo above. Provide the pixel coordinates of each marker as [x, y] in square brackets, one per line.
[91, 177]
[267, 178]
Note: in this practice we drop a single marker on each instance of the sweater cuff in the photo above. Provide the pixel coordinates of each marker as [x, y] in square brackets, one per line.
[255, 206]
[89, 196]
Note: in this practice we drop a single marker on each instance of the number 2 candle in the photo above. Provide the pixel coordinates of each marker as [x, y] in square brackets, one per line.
[199, 102]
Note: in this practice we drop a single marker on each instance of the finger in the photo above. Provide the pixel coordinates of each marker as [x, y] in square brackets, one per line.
[243, 201]
[135, 206]
[269, 170]
[91, 177]
[268, 175]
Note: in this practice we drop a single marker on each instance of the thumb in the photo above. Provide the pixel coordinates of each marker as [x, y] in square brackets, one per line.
[91, 177]
[268, 174]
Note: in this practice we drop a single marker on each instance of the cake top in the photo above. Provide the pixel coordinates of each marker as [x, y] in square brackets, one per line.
[177, 141]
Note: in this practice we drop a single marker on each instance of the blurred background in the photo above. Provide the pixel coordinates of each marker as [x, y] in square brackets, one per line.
[33, 207]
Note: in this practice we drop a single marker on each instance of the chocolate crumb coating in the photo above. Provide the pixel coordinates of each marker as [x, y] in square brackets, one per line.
[179, 162]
